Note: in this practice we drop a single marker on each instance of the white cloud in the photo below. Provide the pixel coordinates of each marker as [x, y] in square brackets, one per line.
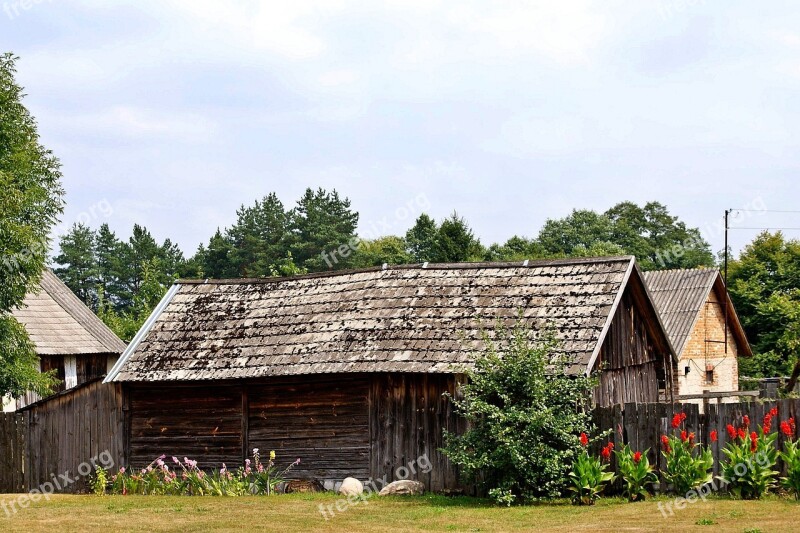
[131, 122]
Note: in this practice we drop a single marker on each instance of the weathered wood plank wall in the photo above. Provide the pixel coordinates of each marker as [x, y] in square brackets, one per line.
[630, 365]
[12, 452]
[323, 420]
[360, 425]
[409, 413]
[201, 422]
[72, 428]
[58, 434]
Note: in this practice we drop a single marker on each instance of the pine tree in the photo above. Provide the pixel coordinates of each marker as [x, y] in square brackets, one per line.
[78, 263]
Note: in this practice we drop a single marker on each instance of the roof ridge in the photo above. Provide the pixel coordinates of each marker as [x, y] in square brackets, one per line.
[567, 261]
[77, 309]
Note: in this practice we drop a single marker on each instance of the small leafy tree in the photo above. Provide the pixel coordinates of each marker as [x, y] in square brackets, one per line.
[523, 412]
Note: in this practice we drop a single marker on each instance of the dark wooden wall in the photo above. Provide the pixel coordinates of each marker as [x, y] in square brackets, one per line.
[629, 363]
[408, 416]
[202, 422]
[59, 434]
[323, 420]
[360, 425]
[12, 452]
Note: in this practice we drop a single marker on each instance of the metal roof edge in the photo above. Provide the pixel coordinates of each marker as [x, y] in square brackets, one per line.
[142, 333]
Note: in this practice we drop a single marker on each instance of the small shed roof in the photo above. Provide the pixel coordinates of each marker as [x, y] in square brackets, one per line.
[679, 296]
[59, 323]
[413, 318]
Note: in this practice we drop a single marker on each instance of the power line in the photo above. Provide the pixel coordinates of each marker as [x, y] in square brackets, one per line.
[764, 210]
[766, 229]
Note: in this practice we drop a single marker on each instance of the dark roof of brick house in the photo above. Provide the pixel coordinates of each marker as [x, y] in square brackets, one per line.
[679, 296]
[412, 318]
[59, 323]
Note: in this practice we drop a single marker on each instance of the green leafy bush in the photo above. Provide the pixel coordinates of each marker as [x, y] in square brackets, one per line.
[636, 473]
[751, 458]
[523, 412]
[688, 464]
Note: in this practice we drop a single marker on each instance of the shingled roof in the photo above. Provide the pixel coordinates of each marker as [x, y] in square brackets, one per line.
[413, 318]
[59, 323]
[679, 296]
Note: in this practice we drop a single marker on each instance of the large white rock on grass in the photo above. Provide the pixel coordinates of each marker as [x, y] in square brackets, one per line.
[403, 487]
[351, 487]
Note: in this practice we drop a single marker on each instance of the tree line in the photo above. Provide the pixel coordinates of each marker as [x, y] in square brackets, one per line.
[122, 280]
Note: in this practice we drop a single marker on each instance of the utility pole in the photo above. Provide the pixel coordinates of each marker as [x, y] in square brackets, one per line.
[725, 278]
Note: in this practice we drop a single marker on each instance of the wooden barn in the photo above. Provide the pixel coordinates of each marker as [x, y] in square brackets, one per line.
[694, 305]
[346, 370]
[68, 336]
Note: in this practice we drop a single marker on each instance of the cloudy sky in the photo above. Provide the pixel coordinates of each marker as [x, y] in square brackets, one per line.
[174, 113]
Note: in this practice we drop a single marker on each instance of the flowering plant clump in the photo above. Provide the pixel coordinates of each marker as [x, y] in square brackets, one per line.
[688, 464]
[185, 478]
[791, 458]
[751, 458]
[588, 475]
[636, 472]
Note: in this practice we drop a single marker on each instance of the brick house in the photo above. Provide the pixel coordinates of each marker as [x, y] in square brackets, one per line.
[692, 305]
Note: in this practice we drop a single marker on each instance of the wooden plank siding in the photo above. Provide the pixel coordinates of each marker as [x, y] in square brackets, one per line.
[198, 422]
[631, 365]
[71, 428]
[409, 413]
[323, 420]
[360, 425]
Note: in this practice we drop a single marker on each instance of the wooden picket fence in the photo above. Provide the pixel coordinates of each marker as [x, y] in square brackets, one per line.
[642, 425]
[59, 434]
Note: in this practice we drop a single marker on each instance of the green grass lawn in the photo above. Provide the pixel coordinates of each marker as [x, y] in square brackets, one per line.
[300, 512]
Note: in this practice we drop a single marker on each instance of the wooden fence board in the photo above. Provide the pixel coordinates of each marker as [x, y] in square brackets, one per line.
[59, 434]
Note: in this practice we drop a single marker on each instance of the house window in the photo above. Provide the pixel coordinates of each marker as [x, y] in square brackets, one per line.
[709, 375]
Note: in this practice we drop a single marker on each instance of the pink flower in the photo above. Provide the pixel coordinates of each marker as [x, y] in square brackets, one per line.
[175, 460]
[122, 470]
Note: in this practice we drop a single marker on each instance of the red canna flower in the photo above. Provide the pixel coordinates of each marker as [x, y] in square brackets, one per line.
[684, 436]
[746, 421]
[584, 440]
[676, 421]
[731, 431]
[786, 429]
[691, 439]
[665, 443]
[605, 453]
[741, 433]
[767, 425]
[773, 412]
[753, 442]
[713, 435]
[637, 457]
